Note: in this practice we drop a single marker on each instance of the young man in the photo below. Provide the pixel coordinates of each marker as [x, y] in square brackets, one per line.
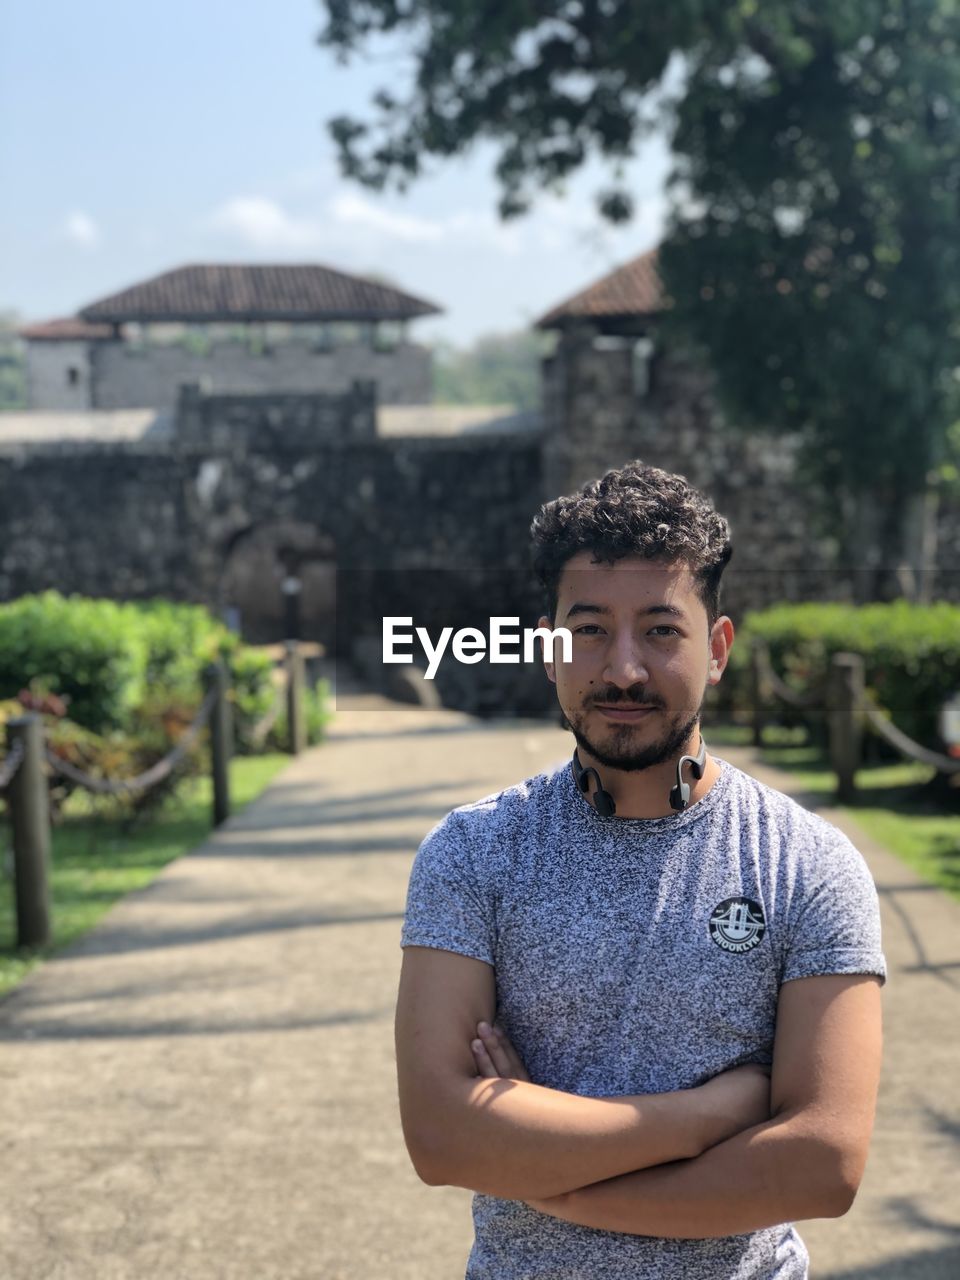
[639, 1012]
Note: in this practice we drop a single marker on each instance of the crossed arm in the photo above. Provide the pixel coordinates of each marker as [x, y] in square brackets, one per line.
[717, 1160]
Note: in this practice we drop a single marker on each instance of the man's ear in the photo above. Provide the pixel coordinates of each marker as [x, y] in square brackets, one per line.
[548, 664]
[721, 642]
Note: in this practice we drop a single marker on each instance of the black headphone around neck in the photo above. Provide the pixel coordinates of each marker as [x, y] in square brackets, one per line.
[604, 802]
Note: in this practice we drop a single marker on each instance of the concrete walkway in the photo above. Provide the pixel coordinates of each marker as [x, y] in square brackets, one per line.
[204, 1087]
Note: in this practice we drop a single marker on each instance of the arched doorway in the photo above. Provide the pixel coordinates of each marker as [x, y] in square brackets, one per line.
[278, 582]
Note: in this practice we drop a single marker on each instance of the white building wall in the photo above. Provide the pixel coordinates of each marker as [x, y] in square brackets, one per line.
[127, 376]
[58, 374]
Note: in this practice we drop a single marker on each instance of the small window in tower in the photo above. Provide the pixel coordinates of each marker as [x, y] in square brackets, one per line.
[73, 376]
[642, 367]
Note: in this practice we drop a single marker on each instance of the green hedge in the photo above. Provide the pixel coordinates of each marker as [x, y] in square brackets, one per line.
[911, 658]
[86, 650]
[124, 666]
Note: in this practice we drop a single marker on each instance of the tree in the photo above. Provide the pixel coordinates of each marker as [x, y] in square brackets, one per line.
[12, 363]
[813, 244]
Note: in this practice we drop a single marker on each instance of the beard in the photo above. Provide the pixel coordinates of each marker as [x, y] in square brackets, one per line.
[619, 751]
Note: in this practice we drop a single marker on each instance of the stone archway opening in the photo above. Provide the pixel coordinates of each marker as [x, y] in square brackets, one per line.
[278, 582]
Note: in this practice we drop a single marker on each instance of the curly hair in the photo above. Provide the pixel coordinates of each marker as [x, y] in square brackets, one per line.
[638, 510]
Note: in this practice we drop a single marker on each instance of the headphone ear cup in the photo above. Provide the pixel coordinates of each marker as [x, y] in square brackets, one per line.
[604, 804]
[680, 796]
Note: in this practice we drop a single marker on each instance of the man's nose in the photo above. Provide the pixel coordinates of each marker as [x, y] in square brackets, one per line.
[625, 663]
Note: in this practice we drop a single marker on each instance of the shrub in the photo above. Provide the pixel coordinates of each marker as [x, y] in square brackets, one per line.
[136, 667]
[84, 650]
[254, 692]
[911, 658]
[318, 713]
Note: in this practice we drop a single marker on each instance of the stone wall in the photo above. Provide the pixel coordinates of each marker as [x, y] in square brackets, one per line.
[128, 376]
[598, 418]
[435, 529]
[210, 422]
[58, 375]
[427, 527]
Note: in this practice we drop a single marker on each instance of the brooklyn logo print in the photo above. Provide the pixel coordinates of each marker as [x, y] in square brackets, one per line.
[737, 924]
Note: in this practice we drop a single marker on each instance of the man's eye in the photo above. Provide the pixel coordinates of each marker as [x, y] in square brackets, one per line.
[667, 628]
[589, 628]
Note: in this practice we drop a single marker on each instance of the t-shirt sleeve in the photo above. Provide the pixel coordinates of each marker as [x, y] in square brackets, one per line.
[446, 906]
[835, 915]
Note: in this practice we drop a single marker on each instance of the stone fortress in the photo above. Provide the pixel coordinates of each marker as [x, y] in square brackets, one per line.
[285, 328]
[228, 434]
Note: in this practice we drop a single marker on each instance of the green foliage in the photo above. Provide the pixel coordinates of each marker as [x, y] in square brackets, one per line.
[813, 249]
[911, 657]
[179, 640]
[85, 650]
[254, 693]
[550, 83]
[318, 713]
[97, 858]
[131, 676]
[13, 369]
[497, 369]
[136, 667]
[949, 470]
[812, 238]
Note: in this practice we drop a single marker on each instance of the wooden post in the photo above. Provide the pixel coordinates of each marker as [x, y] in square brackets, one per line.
[296, 724]
[757, 691]
[29, 802]
[221, 741]
[845, 718]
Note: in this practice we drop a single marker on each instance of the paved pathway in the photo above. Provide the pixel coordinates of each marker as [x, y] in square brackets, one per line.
[204, 1086]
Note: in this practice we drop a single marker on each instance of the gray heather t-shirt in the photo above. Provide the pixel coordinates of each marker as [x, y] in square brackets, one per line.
[639, 956]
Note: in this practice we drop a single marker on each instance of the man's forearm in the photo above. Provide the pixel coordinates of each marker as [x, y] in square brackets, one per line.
[520, 1141]
[781, 1171]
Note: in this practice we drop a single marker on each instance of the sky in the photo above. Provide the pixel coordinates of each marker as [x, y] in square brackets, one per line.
[135, 138]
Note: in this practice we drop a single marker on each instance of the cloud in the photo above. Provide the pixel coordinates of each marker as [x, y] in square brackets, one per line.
[80, 229]
[263, 224]
[353, 211]
[350, 221]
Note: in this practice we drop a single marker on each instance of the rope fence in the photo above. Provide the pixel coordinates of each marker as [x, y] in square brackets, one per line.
[848, 711]
[778, 687]
[258, 734]
[25, 773]
[151, 777]
[13, 761]
[885, 729]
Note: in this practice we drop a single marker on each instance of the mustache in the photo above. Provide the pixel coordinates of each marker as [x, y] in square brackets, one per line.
[626, 696]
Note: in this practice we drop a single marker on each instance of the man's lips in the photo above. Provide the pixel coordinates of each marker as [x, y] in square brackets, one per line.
[625, 711]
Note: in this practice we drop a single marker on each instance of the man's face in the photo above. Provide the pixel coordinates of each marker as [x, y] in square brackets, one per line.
[643, 656]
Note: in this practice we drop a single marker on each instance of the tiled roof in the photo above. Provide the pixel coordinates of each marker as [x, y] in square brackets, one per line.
[224, 293]
[67, 329]
[631, 290]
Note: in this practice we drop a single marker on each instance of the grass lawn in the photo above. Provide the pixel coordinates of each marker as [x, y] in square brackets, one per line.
[892, 809]
[94, 863]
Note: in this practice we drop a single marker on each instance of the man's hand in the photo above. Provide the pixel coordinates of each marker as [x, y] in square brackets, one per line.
[805, 1162]
[734, 1100]
[495, 1056]
[481, 1123]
